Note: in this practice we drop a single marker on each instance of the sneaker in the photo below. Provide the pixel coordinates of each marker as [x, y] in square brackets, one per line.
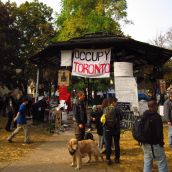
[9, 140]
[103, 151]
[109, 162]
[117, 161]
[28, 142]
[89, 130]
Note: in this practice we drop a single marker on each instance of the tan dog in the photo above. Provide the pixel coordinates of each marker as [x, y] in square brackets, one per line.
[80, 148]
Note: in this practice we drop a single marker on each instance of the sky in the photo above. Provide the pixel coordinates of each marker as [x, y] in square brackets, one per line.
[149, 17]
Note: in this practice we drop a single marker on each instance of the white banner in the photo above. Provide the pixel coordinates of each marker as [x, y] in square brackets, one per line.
[123, 69]
[66, 58]
[91, 63]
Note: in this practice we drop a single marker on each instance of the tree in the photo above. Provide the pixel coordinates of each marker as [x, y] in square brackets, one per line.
[9, 43]
[164, 40]
[169, 38]
[34, 22]
[24, 31]
[89, 16]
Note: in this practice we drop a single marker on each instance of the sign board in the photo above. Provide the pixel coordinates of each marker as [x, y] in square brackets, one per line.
[123, 69]
[63, 77]
[91, 63]
[126, 91]
[124, 106]
[66, 58]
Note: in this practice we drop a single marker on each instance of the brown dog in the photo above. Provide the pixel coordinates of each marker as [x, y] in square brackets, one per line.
[80, 148]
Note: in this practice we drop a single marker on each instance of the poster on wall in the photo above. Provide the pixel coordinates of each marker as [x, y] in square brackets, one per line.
[66, 57]
[63, 77]
[123, 69]
[91, 63]
[126, 91]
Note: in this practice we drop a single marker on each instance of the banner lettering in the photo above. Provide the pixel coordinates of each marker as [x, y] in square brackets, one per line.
[92, 63]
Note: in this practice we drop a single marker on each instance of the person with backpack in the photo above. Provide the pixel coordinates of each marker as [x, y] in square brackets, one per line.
[168, 115]
[113, 117]
[148, 130]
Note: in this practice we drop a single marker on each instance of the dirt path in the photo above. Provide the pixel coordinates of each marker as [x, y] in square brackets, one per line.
[52, 156]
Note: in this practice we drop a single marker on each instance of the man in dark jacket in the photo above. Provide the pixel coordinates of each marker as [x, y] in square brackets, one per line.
[80, 117]
[168, 115]
[11, 109]
[112, 130]
[154, 150]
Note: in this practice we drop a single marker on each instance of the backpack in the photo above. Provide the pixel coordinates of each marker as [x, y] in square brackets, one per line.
[142, 130]
[111, 118]
[88, 135]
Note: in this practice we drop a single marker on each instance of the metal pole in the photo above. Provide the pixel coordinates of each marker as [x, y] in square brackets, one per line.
[37, 85]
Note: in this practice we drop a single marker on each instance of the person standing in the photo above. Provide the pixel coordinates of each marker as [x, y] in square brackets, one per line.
[99, 126]
[92, 118]
[80, 117]
[168, 115]
[21, 122]
[154, 150]
[112, 129]
[10, 106]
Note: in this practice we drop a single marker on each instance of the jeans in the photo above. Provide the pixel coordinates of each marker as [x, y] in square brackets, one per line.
[100, 142]
[109, 135]
[170, 136]
[79, 132]
[160, 158]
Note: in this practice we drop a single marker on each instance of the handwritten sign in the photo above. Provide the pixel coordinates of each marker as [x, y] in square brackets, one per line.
[126, 90]
[123, 69]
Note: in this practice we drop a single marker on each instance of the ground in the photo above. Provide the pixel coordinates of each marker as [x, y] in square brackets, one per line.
[48, 152]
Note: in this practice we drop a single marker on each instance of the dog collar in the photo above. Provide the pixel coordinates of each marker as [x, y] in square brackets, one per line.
[72, 152]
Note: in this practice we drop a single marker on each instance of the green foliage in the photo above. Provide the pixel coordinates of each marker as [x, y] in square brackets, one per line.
[80, 84]
[78, 18]
[25, 30]
[9, 43]
[34, 20]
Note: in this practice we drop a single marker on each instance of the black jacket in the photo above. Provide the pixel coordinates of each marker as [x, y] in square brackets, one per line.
[81, 115]
[99, 125]
[156, 127]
